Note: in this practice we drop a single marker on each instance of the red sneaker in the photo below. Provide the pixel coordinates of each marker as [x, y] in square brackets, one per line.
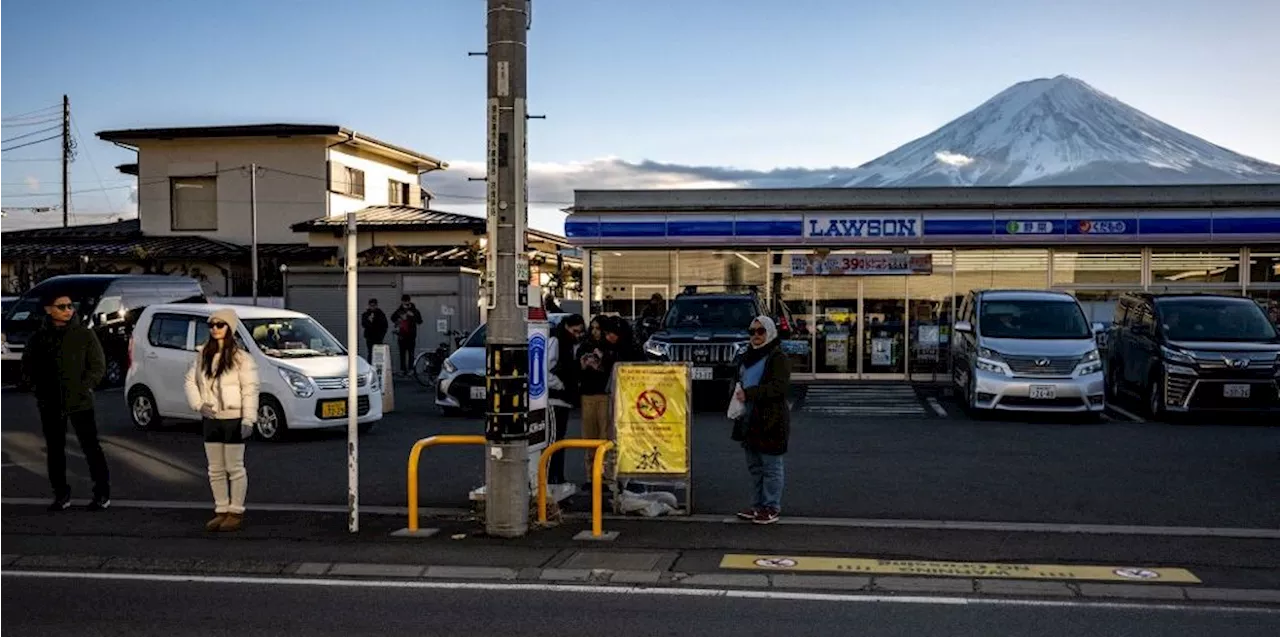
[766, 516]
[748, 513]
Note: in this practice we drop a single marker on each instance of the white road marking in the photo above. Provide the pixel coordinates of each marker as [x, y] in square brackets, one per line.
[865, 523]
[675, 591]
[937, 407]
[863, 400]
[1126, 413]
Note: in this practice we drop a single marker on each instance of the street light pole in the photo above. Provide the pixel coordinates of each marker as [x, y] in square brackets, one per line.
[507, 343]
[253, 212]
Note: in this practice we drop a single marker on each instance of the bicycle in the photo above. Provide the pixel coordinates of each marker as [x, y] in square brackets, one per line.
[428, 365]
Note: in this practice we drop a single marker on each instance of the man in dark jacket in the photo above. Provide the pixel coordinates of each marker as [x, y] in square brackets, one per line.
[64, 362]
[375, 324]
[406, 318]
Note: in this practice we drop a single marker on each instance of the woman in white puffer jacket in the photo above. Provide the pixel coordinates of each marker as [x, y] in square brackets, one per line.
[222, 384]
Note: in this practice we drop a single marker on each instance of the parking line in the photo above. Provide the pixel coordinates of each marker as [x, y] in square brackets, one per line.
[1126, 413]
[937, 407]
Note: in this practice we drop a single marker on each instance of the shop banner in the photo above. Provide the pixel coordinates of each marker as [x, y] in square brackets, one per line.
[651, 412]
[861, 264]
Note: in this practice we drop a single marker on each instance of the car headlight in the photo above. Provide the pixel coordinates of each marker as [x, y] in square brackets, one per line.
[371, 380]
[1175, 356]
[990, 360]
[1090, 364]
[301, 385]
[449, 367]
[657, 349]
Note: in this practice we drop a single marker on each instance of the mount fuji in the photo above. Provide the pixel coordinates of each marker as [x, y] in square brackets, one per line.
[1057, 131]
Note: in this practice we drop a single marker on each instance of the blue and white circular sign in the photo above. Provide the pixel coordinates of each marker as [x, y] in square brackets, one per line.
[537, 366]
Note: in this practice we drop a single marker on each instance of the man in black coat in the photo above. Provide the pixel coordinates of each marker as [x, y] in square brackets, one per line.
[406, 318]
[375, 324]
[63, 362]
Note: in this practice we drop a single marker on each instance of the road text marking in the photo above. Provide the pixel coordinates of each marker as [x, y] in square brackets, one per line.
[871, 566]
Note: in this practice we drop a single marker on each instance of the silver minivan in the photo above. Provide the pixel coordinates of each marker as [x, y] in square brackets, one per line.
[1027, 351]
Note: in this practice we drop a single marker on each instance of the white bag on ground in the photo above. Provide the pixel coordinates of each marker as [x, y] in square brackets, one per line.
[649, 505]
[737, 408]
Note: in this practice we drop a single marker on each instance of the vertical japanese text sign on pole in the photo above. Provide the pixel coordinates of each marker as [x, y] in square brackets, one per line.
[506, 345]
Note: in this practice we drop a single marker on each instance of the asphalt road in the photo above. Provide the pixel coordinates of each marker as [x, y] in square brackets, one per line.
[1211, 474]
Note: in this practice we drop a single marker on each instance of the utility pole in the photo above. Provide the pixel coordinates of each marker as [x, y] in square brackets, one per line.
[253, 212]
[66, 160]
[353, 410]
[507, 342]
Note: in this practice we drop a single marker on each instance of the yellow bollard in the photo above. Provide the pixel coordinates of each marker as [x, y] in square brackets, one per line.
[597, 495]
[415, 453]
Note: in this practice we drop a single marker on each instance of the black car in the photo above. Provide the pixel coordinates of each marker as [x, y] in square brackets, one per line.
[709, 330]
[108, 303]
[1186, 352]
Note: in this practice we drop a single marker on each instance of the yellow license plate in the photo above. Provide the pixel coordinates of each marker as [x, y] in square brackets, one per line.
[333, 409]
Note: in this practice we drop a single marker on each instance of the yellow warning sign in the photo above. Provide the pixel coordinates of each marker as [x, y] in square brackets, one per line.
[652, 418]
[871, 566]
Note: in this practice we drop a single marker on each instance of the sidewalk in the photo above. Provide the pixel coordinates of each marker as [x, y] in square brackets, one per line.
[647, 552]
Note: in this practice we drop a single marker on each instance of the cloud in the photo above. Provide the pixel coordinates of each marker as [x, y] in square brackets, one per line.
[953, 159]
[33, 184]
[551, 185]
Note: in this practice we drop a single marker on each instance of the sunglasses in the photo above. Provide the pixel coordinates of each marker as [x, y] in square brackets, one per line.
[64, 306]
[758, 331]
[217, 325]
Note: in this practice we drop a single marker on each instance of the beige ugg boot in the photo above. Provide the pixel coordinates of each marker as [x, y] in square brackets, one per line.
[216, 523]
[232, 522]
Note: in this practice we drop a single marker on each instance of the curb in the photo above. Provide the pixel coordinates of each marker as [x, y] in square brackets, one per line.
[855, 584]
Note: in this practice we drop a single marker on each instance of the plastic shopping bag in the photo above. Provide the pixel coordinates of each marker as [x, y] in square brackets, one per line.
[737, 408]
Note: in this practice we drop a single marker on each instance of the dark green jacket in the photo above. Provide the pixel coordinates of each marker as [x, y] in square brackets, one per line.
[64, 365]
[768, 426]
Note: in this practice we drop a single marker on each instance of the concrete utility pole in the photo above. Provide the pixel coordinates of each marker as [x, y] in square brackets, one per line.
[253, 214]
[66, 160]
[507, 342]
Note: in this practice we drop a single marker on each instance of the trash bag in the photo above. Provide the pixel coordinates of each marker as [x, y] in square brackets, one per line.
[649, 505]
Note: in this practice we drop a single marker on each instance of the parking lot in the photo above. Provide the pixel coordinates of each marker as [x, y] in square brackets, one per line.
[857, 452]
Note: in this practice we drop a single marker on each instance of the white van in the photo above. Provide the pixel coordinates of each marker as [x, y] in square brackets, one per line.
[302, 367]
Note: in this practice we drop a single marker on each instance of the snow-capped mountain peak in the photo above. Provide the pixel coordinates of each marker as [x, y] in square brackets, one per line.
[1062, 131]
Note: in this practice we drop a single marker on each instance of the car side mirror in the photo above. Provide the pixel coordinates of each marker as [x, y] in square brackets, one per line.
[964, 326]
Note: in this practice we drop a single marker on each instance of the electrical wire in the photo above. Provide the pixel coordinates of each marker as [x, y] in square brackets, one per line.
[38, 141]
[102, 187]
[30, 113]
[31, 134]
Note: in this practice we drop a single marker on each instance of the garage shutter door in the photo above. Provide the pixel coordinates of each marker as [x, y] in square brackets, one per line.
[327, 305]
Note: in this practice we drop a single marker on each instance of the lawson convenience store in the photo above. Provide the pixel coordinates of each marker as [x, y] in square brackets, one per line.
[872, 277]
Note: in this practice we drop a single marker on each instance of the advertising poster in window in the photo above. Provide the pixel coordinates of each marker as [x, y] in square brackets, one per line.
[651, 412]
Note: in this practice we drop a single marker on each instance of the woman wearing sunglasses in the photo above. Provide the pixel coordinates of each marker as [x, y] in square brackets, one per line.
[765, 424]
[222, 385]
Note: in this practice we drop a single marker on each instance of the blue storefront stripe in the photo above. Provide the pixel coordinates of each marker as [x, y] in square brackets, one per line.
[958, 227]
[1178, 225]
[581, 229]
[773, 228]
[700, 228]
[1246, 225]
[633, 228]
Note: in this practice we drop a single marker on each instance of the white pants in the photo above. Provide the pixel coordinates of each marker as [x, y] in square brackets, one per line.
[227, 476]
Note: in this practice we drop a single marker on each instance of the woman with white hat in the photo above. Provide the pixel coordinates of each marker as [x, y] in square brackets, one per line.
[222, 384]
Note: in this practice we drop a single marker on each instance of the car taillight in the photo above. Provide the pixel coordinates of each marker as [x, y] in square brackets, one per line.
[784, 324]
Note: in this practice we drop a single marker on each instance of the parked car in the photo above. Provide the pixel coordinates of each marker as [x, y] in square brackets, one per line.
[709, 330]
[302, 367]
[107, 303]
[1027, 351]
[461, 384]
[1186, 352]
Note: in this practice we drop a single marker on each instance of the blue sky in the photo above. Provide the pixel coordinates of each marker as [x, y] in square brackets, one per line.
[735, 83]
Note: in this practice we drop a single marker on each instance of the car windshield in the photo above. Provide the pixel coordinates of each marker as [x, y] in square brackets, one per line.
[287, 337]
[477, 337]
[1214, 320]
[28, 308]
[1035, 319]
[729, 313]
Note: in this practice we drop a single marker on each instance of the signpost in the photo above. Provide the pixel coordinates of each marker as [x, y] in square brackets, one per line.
[652, 416]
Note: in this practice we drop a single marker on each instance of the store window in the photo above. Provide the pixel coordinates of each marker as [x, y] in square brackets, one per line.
[795, 294]
[1012, 269]
[932, 301]
[1264, 266]
[720, 270]
[1101, 266]
[633, 283]
[1178, 266]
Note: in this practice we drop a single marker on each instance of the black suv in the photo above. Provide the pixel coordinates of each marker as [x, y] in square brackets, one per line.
[709, 330]
[107, 303]
[1185, 352]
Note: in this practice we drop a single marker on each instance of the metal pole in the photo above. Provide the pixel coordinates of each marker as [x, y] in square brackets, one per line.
[253, 212]
[507, 493]
[66, 159]
[353, 346]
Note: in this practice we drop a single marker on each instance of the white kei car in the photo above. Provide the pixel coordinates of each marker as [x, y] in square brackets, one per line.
[301, 366]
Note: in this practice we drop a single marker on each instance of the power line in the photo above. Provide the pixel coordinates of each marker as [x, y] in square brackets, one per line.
[30, 159]
[38, 141]
[31, 134]
[30, 113]
[102, 187]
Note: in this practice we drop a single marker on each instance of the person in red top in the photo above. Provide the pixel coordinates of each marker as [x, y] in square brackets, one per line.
[406, 320]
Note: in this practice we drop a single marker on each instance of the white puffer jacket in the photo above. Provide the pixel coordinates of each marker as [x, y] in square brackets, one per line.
[234, 395]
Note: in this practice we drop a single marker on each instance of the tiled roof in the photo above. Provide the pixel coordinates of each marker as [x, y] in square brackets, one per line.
[128, 228]
[397, 217]
[296, 251]
[152, 247]
[426, 255]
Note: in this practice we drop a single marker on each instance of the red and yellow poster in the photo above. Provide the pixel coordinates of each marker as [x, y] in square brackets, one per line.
[651, 410]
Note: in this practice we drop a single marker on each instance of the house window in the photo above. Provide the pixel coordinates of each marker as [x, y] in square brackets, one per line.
[193, 203]
[346, 180]
[397, 193]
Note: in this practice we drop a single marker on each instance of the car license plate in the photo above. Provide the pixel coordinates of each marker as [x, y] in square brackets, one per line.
[333, 409]
[478, 393]
[703, 373]
[1044, 392]
[1235, 391]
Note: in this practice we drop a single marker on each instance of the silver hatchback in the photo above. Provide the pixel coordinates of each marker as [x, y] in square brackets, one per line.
[1027, 351]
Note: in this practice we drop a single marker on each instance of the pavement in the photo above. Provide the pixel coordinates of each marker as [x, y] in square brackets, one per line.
[162, 606]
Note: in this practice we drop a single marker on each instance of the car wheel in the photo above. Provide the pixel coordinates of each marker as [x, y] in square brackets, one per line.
[1155, 397]
[1113, 384]
[142, 409]
[272, 426]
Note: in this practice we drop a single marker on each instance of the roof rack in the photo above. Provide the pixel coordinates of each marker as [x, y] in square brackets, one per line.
[726, 289]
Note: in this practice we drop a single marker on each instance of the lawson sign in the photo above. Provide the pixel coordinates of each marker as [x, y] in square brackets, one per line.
[863, 226]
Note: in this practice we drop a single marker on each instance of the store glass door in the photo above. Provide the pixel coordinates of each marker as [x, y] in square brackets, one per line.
[882, 341]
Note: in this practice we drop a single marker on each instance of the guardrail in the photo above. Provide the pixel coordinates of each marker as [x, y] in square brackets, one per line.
[597, 470]
[414, 455]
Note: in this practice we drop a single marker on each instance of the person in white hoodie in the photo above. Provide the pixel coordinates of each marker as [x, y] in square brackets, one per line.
[222, 384]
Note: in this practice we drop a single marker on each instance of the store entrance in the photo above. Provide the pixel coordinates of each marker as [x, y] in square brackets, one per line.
[860, 328]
